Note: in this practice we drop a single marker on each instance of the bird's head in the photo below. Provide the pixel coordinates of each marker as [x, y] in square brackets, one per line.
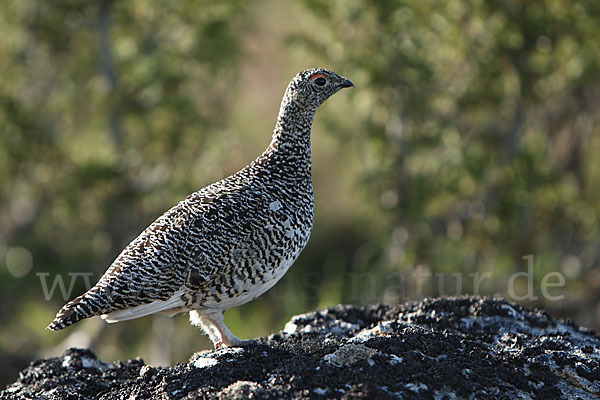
[310, 88]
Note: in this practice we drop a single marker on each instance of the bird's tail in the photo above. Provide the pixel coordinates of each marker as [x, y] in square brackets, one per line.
[84, 306]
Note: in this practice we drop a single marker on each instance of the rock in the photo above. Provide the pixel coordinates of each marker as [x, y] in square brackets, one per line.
[462, 347]
[351, 353]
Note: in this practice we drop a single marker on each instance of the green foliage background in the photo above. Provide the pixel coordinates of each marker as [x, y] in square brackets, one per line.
[470, 142]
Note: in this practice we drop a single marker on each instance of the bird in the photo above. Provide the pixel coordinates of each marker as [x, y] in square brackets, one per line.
[227, 243]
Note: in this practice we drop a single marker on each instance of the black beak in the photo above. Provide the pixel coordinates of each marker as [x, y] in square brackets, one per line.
[346, 83]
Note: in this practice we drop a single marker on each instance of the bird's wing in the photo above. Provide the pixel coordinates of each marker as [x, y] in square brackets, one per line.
[186, 247]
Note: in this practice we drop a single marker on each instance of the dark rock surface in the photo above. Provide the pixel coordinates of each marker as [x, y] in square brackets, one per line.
[465, 347]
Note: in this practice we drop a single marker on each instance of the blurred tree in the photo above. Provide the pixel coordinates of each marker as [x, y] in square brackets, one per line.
[480, 124]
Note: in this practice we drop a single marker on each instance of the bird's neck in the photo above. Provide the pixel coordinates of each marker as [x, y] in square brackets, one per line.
[291, 136]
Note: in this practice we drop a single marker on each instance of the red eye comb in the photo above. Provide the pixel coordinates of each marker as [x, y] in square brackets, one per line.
[315, 76]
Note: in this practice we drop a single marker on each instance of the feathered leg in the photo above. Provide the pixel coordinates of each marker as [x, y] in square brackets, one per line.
[213, 325]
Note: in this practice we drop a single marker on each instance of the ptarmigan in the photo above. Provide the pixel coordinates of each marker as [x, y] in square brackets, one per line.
[227, 243]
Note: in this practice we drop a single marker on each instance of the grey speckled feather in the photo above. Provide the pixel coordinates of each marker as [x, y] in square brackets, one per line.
[229, 242]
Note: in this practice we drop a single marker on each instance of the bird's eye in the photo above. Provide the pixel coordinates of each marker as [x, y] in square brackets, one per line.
[320, 81]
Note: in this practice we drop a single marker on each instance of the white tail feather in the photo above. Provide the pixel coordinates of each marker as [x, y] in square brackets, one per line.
[146, 309]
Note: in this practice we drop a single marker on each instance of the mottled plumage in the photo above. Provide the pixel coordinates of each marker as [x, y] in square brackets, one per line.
[229, 242]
